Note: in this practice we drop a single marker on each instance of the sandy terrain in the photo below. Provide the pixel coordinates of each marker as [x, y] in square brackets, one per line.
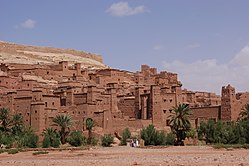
[188, 155]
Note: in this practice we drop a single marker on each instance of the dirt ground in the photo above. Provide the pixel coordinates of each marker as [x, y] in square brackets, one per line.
[122, 156]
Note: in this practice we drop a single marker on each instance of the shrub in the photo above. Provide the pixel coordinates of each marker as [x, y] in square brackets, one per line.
[93, 141]
[30, 140]
[191, 133]
[51, 138]
[125, 135]
[13, 151]
[76, 138]
[149, 135]
[107, 140]
[160, 138]
[224, 133]
[40, 152]
[153, 137]
[6, 139]
[170, 139]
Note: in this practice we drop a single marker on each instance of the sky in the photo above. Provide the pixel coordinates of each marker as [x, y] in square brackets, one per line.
[205, 42]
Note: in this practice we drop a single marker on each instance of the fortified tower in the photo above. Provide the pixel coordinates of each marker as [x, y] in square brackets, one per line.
[157, 117]
[227, 102]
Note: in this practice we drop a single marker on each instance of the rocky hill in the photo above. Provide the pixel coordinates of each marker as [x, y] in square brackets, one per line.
[16, 53]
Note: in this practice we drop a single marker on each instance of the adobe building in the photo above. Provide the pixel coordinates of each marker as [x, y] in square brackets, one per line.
[114, 99]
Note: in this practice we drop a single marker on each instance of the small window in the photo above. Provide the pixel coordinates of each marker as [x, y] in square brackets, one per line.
[170, 100]
[164, 100]
[164, 111]
[46, 104]
[28, 114]
[167, 122]
[53, 103]
[170, 111]
[47, 72]
[35, 111]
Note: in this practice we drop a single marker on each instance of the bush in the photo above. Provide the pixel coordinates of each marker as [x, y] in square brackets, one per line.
[125, 135]
[40, 152]
[6, 139]
[191, 133]
[13, 151]
[224, 133]
[149, 135]
[107, 140]
[160, 138]
[170, 139]
[51, 138]
[93, 141]
[76, 138]
[153, 137]
[30, 140]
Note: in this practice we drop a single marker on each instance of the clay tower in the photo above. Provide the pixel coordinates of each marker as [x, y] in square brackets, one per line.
[227, 102]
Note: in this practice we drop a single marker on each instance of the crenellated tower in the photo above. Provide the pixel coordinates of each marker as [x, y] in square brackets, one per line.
[227, 102]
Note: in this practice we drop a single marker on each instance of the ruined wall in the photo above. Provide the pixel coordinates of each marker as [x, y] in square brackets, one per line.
[127, 107]
[200, 114]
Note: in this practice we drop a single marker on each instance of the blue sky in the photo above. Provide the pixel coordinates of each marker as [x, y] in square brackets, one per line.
[205, 42]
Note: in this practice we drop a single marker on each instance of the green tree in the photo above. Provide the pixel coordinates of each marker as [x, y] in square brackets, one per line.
[5, 119]
[64, 122]
[180, 123]
[125, 135]
[149, 135]
[89, 126]
[17, 124]
[244, 114]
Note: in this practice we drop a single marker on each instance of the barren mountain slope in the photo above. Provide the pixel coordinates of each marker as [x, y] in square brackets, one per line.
[16, 53]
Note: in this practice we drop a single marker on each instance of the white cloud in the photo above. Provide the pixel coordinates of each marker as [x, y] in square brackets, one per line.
[158, 47]
[123, 9]
[208, 75]
[242, 58]
[193, 46]
[29, 24]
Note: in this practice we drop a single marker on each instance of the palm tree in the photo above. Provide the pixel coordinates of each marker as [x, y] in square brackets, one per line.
[89, 126]
[244, 115]
[4, 119]
[179, 122]
[64, 122]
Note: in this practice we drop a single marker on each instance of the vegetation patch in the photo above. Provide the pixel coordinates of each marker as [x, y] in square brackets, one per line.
[76, 138]
[12, 151]
[156, 138]
[125, 135]
[107, 140]
[40, 152]
[231, 146]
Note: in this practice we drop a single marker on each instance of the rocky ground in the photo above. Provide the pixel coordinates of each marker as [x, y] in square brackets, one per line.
[122, 156]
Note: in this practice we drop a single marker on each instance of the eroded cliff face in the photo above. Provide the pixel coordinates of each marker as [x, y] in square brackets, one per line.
[16, 53]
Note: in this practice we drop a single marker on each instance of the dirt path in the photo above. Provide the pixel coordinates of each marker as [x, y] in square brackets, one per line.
[122, 156]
